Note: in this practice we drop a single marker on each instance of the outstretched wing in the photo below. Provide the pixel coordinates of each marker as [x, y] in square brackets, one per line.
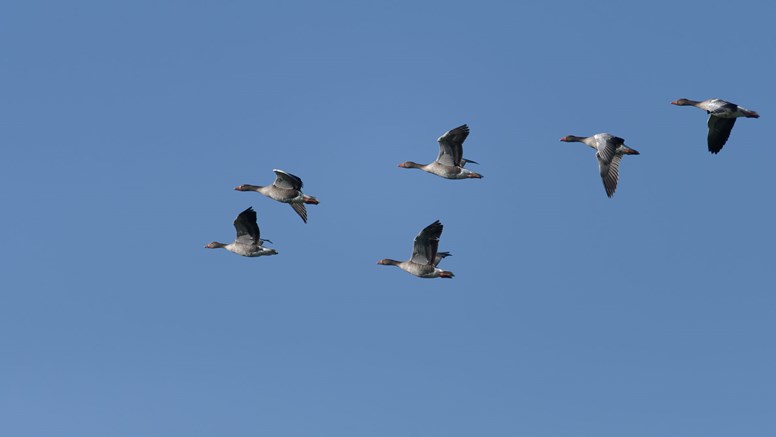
[301, 210]
[609, 161]
[451, 146]
[610, 173]
[719, 132]
[425, 246]
[247, 228]
[287, 180]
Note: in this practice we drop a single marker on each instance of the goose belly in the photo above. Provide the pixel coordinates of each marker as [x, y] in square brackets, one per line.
[243, 250]
[421, 270]
[287, 196]
[449, 172]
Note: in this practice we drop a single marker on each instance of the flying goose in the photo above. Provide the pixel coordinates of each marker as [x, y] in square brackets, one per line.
[425, 257]
[286, 188]
[449, 164]
[722, 117]
[609, 151]
[248, 241]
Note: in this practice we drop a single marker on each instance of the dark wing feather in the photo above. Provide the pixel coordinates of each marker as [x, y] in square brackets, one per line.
[247, 228]
[301, 210]
[426, 243]
[719, 132]
[617, 141]
[607, 148]
[609, 162]
[610, 174]
[287, 180]
[451, 146]
[724, 108]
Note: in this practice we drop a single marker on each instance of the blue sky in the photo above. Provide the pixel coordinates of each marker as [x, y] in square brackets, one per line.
[125, 127]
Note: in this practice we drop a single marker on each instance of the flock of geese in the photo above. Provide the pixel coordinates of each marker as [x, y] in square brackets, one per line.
[449, 164]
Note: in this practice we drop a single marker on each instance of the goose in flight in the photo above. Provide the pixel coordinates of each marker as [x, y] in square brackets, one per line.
[248, 241]
[425, 257]
[722, 117]
[449, 164]
[286, 188]
[609, 151]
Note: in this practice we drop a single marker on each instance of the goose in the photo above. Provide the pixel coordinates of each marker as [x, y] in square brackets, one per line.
[449, 164]
[286, 188]
[248, 241]
[425, 257]
[722, 117]
[609, 151]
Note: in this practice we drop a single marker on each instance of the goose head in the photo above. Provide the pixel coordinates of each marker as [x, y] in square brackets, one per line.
[410, 164]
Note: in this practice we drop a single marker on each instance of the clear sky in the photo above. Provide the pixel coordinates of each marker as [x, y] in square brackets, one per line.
[125, 127]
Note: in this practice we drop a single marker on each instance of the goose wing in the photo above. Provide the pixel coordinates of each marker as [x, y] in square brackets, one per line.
[610, 173]
[451, 146]
[287, 180]
[246, 227]
[719, 132]
[301, 210]
[609, 162]
[426, 243]
[719, 106]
